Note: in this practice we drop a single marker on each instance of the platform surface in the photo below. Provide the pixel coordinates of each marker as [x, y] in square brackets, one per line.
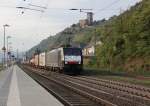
[19, 89]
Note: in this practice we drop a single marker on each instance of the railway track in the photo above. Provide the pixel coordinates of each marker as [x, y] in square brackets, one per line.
[115, 92]
[68, 95]
[137, 87]
[126, 87]
[125, 95]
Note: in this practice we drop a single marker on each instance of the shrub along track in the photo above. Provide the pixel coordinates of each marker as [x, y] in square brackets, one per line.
[102, 91]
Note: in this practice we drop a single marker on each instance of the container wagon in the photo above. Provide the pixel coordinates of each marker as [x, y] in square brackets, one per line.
[36, 60]
[32, 61]
[42, 60]
[68, 60]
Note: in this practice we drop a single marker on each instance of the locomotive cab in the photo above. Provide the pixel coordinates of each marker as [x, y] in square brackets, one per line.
[73, 60]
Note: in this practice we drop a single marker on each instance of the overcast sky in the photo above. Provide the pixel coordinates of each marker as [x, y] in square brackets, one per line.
[30, 28]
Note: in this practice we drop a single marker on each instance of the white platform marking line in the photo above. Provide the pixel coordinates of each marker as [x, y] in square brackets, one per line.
[14, 97]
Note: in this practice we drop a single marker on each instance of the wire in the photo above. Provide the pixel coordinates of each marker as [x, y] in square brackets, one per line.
[3, 6]
[37, 6]
[26, 8]
[108, 6]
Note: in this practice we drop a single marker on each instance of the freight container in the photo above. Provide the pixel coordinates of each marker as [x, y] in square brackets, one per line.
[36, 60]
[53, 58]
[42, 59]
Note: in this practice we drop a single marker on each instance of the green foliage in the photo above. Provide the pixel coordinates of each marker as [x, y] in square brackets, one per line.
[126, 37]
[84, 36]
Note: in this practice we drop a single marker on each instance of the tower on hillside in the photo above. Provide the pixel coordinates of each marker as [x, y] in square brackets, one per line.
[90, 18]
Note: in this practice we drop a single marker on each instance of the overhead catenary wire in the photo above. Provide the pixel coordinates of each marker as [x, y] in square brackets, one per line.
[105, 8]
[64, 9]
[109, 5]
[42, 7]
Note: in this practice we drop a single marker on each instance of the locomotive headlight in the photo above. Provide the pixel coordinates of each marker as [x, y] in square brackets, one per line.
[79, 62]
[66, 62]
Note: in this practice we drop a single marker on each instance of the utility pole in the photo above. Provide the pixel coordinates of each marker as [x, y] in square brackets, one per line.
[4, 48]
[7, 53]
[95, 42]
[37, 52]
[17, 55]
[121, 19]
[95, 37]
[69, 41]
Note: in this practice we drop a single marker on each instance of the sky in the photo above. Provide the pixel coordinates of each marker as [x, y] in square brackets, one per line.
[28, 29]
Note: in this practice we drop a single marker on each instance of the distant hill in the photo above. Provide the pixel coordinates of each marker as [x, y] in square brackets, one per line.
[74, 35]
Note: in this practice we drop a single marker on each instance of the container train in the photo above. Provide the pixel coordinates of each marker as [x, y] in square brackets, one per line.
[65, 60]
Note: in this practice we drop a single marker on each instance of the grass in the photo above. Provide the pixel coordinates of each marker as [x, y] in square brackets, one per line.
[137, 77]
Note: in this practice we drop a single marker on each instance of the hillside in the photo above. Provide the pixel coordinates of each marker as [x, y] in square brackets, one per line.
[125, 40]
[73, 35]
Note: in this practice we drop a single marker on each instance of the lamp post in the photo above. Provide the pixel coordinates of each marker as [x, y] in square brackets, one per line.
[4, 48]
[8, 52]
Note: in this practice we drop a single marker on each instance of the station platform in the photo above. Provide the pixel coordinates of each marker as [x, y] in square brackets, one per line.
[19, 89]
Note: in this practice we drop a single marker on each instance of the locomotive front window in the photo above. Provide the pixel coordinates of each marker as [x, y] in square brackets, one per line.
[72, 51]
